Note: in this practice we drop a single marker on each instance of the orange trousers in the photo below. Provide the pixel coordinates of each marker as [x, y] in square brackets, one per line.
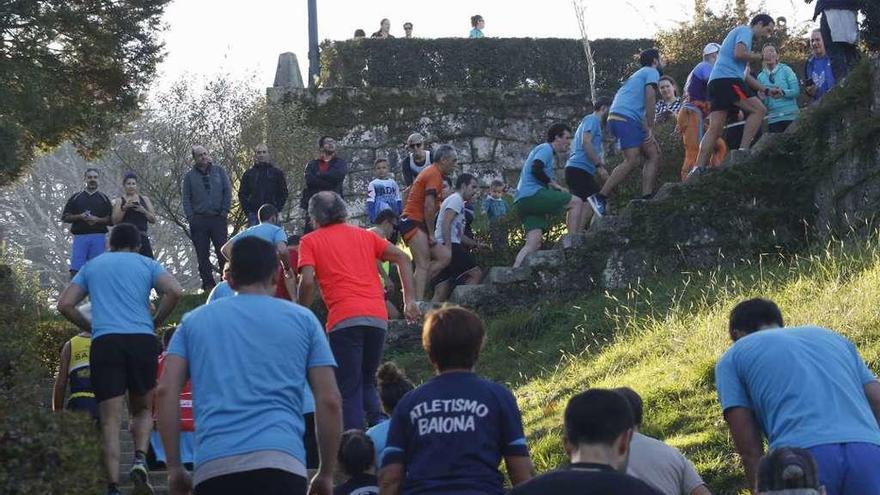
[691, 125]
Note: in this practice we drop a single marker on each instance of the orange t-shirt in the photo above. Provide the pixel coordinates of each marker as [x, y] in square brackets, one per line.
[344, 258]
[428, 183]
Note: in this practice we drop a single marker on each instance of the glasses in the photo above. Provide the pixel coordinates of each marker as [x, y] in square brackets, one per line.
[416, 145]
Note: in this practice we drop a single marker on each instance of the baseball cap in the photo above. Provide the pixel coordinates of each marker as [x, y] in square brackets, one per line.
[711, 48]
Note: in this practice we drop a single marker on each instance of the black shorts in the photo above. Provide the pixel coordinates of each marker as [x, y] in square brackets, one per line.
[462, 262]
[123, 362]
[262, 481]
[581, 183]
[310, 441]
[409, 227]
[726, 92]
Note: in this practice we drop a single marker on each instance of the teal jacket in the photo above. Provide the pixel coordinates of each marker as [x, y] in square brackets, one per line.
[786, 107]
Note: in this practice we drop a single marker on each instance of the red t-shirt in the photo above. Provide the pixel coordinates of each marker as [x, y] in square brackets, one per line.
[187, 423]
[323, 166]
[344, 258]
[280, 288]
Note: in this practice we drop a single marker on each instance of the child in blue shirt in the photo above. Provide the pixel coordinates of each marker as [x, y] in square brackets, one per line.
[450, 434]
[393, 385]
[383, 192]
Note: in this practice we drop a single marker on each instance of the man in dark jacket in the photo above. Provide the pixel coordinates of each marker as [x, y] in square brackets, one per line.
[840, 32]
[261, 184]
[326, 173]
[206, 196]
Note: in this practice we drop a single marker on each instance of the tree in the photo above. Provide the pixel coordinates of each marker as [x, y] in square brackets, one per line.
[71, 71]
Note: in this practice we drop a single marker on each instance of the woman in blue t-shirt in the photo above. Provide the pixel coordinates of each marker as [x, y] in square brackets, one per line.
[393, 385]
[449, 435]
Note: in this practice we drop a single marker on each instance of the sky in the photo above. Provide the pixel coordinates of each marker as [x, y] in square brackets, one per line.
[244, 38]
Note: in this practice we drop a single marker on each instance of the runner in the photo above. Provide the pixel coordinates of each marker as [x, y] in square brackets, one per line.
[731, 86]
[386, 224]
[631, 121]
[268, 229]
[249, 417]
[418, 223]
[691, 122]
[450, 233]
[124, 348]
[586, 160]
[73, 368]
[538, 196]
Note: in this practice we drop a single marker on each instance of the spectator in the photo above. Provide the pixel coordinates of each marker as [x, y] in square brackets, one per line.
[539, 196]
[818, 75]
[692, 116]
[287, 280]
[73, 369]
[393, 385]
[187, 425]
[343, 259]
[222, 289]
[479, 425]
[357, 460]
[383, 32]
[495, 207]
[383, 192]
[477, 25]
[135, 209]
[598, 429]
[657, 464]
[88, 212]
[408, 28]
[783, 109]
[840, 33]
[326, 173]
[268, 229]
[206, 197]
[788, 470]
[803, 387]
[450, 233]
[731, 87]
[386, 227]
[261, 184]
[418, 223]
[586, 159]
[670, 102]
[417, 159]
[249, 417]
[124, 350]
[631, 112]
[359, 33]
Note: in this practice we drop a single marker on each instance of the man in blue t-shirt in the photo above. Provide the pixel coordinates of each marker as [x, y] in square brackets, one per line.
[631, 121]
[449, 435]
[818, 75]
[124, 348]
[539, 197]
[268, 229]
[803, 387]
[732, 88]
[249, 358]
[586, 159]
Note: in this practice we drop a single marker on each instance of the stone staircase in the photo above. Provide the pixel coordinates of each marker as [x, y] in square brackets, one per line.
[158, 479]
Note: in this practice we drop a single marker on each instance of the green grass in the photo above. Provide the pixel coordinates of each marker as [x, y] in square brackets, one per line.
[663, 339]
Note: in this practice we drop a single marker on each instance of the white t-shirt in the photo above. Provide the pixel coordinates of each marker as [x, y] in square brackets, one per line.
[455, 203]
[661, 466]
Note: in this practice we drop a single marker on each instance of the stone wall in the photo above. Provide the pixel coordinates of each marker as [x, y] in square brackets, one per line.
[492, 130]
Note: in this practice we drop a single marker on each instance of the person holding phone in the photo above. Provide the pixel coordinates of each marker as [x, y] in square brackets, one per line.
[135, 209]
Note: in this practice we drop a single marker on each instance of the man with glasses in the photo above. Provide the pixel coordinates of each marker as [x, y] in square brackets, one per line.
[263, 183]
[416, 160]
[206, 198]
[407, 28]
[88, 213]
[325, 173]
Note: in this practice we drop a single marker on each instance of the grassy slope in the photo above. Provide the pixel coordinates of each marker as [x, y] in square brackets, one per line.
[668, 336]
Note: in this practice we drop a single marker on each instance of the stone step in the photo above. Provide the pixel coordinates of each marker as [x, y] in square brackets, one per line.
[504, 275]
[546, 258]
[472, 296]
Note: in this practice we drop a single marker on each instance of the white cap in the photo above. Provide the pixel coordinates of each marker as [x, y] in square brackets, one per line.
[711, 48]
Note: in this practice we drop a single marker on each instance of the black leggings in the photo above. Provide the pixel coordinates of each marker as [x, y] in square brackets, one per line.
[262, 481]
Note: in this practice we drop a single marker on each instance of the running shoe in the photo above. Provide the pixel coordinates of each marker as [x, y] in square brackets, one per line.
[140, 477]
[598, 205]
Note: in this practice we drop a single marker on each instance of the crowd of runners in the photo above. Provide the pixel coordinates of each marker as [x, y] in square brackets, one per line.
[250, 393]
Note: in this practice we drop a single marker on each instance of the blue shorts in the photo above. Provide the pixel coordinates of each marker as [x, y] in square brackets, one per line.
[848, 468]
[629, 133]
[86, 247]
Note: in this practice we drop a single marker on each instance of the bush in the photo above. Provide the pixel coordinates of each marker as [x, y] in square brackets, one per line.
[503, 63]
[42, 452]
